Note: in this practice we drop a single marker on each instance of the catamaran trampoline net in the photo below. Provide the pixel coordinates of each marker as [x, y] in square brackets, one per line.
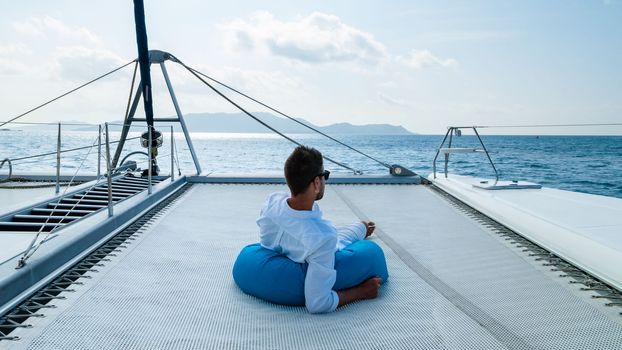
[452, 285]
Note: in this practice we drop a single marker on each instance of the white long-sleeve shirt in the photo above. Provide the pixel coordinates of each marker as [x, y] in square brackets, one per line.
[303, 236]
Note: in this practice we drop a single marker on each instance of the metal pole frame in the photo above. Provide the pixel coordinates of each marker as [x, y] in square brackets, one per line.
[150, 165]
[487, 155]
[57, 191]
[181, 118]
[438, 151]
[450, 132]
[109, 173]
[156, 56]
[126, 127]
[99, 150]
[451, 136]
[172, 156]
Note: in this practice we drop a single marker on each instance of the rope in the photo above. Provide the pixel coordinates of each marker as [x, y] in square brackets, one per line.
[130, 154]
[7, 160]
[66, 93]
[290, 118]
[356, 172]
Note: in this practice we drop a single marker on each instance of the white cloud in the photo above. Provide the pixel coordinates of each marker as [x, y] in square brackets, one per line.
[393, 101]
[14, 49]
[44, 27]
[419, 59]
[262, 85]
[9, 59]
[474, 35]
[388, 84]
[316, 38]
[269, 81]
[11, 67]
[82, 64]
[253, 82]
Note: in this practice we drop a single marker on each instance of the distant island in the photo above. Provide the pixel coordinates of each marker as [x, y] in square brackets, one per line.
[241, 123]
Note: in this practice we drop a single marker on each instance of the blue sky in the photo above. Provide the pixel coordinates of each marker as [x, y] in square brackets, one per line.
[423, 65]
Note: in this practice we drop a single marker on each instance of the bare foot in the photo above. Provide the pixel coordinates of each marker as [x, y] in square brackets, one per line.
[369, 288]
[366, 290]
[369, 228]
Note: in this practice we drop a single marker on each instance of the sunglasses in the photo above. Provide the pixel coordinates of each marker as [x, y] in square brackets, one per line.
[325, 174]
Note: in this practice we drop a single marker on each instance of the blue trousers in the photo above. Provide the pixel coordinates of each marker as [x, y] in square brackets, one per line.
[271, 276]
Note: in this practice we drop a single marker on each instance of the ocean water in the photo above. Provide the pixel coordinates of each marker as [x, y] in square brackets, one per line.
[590, 164]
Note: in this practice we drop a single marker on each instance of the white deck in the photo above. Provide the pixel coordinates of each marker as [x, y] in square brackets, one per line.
[453, 285]
[582, 228]
[12, 199]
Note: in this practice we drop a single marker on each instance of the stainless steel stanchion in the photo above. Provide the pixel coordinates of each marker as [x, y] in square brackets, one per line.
[99, 151]
[150, 164]
[172, 155]
[58, 161]
[108, 173]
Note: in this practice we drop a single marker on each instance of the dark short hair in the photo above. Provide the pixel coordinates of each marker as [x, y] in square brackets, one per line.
[301, 167]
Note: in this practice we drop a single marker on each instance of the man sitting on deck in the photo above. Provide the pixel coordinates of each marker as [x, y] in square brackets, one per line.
[293, 225]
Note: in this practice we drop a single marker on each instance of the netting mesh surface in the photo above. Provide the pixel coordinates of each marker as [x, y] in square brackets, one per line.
[452, 286]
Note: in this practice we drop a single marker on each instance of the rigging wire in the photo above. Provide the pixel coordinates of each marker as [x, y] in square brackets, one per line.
[129, 99]
[356, 172]
[66, 93]
[66, 150]
[32, 248]
[42, 159]
[176, 158]
[288, 117]
[47, 123]
[545, 125]
[64, 123]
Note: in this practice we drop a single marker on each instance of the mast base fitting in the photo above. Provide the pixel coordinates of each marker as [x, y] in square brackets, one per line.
[155, 170]
[156, 139]
[156, 142]
[398, 170]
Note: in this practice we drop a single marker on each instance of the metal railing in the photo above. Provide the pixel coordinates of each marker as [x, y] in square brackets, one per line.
[457, 131]
[11, 162]
[109, 174]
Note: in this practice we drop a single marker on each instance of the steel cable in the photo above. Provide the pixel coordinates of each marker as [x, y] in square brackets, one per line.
[356, 172]
[65, 151]
[176, 158]
[66, 93]
[290, 118]
[32, 248]
[542, 125]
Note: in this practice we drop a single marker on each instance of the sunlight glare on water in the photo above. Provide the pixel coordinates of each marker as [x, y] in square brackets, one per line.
[591, 164]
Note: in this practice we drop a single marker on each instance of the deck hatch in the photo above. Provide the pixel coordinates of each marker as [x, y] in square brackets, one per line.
[72, 207]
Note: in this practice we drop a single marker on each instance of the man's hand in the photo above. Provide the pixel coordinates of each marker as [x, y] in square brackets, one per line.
[370, 227]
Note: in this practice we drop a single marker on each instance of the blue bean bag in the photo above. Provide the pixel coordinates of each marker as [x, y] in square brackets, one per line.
[271, 276]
